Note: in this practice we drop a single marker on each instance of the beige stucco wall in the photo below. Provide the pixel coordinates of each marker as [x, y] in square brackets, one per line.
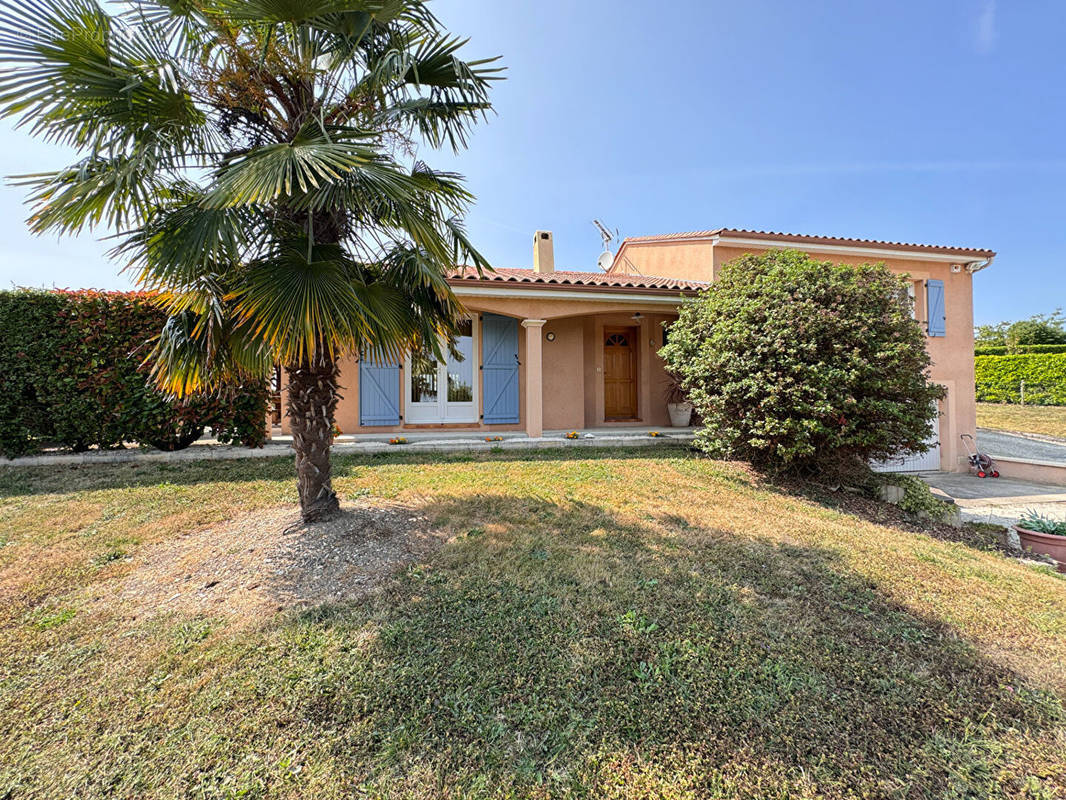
[688, 260]
[572, 373]
[563, 381]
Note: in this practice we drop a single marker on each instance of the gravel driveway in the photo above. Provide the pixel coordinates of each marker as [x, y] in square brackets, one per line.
[1013, 445]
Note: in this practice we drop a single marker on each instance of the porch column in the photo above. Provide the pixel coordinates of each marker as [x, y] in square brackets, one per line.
[534, 378]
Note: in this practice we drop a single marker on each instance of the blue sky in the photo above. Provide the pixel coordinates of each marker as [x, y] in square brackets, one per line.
[938, 122]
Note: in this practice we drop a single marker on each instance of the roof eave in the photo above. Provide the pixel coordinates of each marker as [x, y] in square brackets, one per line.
[738, 238]
[534, 286]
[831, 244]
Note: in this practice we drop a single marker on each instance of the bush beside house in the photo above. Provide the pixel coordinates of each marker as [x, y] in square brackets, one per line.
[793, 362]
[999, 378]
[73, 376]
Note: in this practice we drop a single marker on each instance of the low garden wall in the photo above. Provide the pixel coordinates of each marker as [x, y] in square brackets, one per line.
[1024, 469]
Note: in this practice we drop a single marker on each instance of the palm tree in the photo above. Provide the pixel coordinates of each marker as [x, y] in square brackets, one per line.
[250, 154]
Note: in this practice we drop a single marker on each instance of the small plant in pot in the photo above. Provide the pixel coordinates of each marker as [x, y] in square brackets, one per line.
[677, 402]
[1041, 534]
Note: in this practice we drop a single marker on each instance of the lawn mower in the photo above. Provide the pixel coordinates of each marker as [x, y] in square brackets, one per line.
[981, 464]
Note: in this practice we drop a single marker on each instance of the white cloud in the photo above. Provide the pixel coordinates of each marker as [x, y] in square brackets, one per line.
[985, 33]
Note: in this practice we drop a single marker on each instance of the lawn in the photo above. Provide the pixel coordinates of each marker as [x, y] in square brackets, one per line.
[1046, 420]
[602, 624]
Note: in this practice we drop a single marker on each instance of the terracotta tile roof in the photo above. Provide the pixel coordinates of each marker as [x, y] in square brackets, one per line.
[829, 240]
[575, 279]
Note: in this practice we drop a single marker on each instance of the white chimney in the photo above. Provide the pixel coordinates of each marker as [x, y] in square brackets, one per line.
[543, 252]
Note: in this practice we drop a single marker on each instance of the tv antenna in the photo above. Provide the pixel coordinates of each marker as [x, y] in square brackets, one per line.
[606, 258]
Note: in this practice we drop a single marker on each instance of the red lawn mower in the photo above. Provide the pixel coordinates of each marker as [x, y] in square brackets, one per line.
[981, 464]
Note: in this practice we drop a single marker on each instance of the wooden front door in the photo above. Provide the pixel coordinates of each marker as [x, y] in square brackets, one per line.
[620, 373]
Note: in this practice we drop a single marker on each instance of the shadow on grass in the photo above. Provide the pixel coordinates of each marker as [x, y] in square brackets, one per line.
[557, 647]
[550, 649]
[25, 481]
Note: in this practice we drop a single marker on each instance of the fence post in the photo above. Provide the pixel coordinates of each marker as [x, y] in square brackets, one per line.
[1022, 393]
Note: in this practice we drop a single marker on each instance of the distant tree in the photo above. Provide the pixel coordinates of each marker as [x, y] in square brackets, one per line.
[259, 158]
[797, 363]
[991, 335]
[1037, 329]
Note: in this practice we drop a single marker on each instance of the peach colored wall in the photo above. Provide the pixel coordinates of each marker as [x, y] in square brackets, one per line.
[657, 376]
[572, 364]
[564, 368]
[689, 260]
[1022, 469]
[347, 416]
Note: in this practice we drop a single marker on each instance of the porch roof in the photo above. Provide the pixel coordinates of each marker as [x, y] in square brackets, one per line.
[593, 281]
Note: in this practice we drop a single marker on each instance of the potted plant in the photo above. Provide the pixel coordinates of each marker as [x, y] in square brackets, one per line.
[677, 402]
[1043, 535]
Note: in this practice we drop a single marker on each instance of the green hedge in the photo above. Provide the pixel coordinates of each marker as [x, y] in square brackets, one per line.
[72, 372]
[999, 378]
[999, 350]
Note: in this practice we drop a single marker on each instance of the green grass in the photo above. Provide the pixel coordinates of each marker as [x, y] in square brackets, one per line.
[614, 624]
[1046, 420]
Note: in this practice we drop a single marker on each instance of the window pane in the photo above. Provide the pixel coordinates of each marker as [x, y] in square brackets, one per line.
[461, 366]
[423, 377]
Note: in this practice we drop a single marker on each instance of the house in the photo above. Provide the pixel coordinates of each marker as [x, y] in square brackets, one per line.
[551, 350]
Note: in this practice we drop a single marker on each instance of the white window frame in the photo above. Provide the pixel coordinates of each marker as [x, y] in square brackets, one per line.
[441, 411]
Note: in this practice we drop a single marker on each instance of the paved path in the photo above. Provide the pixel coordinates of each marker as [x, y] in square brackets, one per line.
[418, 442]
[1016, 445]
[997, 500]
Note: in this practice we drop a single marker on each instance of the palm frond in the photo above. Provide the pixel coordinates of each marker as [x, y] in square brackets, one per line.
[267, 12]
[187, 358]
[250, 152]
[183, 243]
[301, 298]
[311, 161]
[79, 77]
[116, 192]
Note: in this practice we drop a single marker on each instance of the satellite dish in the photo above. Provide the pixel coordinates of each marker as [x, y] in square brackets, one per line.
[604, 261]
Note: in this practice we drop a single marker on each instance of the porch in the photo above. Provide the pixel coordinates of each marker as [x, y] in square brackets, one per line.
[526, 367]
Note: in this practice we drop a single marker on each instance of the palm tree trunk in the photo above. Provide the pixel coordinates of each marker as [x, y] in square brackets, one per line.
[313, 395]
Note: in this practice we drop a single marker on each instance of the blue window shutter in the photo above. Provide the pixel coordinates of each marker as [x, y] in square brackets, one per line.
[499, 368]
[934, 307]
[379, 393]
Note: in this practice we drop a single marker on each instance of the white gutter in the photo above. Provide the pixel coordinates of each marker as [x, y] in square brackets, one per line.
[977, 266]
[537, 293]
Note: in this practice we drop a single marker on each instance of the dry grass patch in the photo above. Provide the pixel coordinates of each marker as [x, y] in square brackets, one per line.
[1043, 420]
[267, 561]
[615, 624]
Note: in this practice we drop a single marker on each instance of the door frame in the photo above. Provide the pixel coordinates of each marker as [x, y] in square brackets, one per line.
[633, 331]
[446, 413]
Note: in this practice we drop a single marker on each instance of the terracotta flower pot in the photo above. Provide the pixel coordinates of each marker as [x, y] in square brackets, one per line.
[1047, 544]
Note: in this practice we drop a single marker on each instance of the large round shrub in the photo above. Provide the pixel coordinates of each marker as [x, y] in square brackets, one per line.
[792, 362]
